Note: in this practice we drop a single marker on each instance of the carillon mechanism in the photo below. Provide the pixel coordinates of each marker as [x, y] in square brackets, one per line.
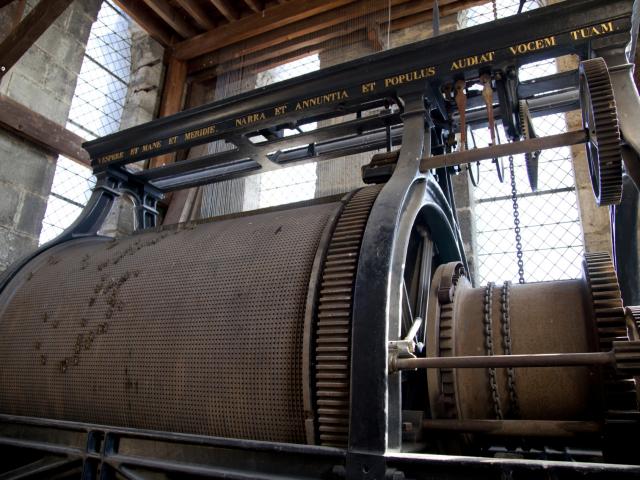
[342, 337]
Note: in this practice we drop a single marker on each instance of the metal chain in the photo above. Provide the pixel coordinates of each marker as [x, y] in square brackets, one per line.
[488, 348]
[516, 220]
[506, 345]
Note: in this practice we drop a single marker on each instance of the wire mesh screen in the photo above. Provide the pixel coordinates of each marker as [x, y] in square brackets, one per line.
[552, 243]
[495, 9]
[70, 192]
[102, 84]
[96, 109]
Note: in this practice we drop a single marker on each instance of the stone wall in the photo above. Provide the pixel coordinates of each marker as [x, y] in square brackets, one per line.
[140, 106]
[43, 80]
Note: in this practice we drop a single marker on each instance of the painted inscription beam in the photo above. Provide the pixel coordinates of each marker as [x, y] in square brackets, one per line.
[568, 27]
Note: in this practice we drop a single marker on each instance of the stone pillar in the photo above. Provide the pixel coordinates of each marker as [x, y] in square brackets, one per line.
[145, 80]
[140, 106]
[43, 80]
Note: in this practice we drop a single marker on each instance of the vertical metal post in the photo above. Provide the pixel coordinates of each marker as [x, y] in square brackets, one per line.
[375, 425]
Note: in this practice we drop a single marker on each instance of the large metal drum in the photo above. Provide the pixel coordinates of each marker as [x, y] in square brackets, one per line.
[204, 328]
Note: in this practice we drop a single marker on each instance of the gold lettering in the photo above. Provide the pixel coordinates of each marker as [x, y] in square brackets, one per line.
[592, 31]
[472, 61]
[112, 157]
[534, 45]
[249, 119]
[322, 99]
[281, 110]
[134, 151]
[606, 27]
[173, 140]
[368, 87]
[151, 146]
[409, 77]
[201, 132]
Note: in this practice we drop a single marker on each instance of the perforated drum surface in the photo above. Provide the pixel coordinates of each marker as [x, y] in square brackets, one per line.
[196, 330]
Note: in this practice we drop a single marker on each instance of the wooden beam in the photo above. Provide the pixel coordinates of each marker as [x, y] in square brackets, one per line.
[145, 17]
[226, 9]
[172, 100]
[327, 39]
[322, 28]
[19, 12]
[255, 5]
[28, 31]
[183, 202]
[172, 17]
[39, 130]
[376, 11]
[173, 90]
[197, 13]
[254, 25]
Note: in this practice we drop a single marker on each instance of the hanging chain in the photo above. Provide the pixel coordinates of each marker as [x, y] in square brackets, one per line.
[516, 220]
[506, 345]
[488, 348]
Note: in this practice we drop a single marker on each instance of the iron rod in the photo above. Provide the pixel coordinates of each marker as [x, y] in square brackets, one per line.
[515, 428]
[504, 150]
[509, 361]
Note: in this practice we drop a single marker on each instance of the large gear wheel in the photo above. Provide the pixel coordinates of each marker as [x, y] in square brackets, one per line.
[620, 394]
[600, 120]
[333, 328]
[607, 299]
[530, 158]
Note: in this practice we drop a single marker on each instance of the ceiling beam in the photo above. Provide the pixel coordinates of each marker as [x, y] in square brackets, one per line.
[323, 27]
[376, 10]
[28, 31]
[145, 17]
[39, 130]
[226, 9]
[255, 5]
[321, 41]
[172, 100]
[172, 17]
[254, 25]
[199, 14]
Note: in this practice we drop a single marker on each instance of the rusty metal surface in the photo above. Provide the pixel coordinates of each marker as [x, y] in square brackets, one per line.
[195, 330]
[548, 317]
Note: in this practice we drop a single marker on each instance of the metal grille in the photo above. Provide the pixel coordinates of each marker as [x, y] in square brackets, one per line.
[96, 109]
[102, 84]
[495, 9]
[70, 192]
[196, 330]
[550, 221]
